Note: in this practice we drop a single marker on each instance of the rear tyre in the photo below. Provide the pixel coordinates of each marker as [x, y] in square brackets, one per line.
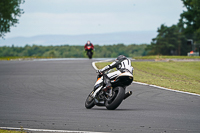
[89, 54]
[89, 103]
[116, 99]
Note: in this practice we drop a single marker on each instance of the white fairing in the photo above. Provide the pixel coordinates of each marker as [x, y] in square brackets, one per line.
[126, 74]
[99, 81]
[97, 90]
[114, 74]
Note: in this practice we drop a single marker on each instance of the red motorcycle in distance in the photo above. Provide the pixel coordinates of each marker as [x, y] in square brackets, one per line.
[89, 47]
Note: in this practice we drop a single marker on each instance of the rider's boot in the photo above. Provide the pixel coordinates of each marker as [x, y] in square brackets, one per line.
[107, 87]
[106, 81]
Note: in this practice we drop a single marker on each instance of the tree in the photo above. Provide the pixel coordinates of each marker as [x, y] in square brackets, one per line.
[9, 12]
[191, 18]
[169, 41]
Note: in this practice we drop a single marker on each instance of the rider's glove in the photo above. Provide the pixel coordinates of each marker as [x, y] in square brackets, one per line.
[99, 71]
[100, 74]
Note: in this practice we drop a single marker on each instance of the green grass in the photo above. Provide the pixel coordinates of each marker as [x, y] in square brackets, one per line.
[183, 76]
[16, 58]
[167, 57]
[158, 57]
[22, 58]
[11, 131]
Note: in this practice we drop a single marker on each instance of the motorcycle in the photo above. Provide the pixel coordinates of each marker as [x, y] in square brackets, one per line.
[89, 50]
[113, 97]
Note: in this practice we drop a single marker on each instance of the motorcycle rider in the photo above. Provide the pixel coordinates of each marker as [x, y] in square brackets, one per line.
[88, 44]
[122, 64]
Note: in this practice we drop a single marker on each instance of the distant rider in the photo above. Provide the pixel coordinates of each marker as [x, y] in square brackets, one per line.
[122, 64]
[88, 44]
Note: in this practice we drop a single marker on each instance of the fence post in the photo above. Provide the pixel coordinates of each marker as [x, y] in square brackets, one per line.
[199, 50]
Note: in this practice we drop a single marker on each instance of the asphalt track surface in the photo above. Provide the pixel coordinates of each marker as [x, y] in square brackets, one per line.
[51, 95]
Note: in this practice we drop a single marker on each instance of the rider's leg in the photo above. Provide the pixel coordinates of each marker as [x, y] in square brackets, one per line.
[106, 81]
[108, 77]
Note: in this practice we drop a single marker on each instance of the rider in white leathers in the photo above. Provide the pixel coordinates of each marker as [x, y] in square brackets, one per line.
[122, 64]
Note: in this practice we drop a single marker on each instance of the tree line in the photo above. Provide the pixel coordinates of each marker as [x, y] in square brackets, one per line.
[174, 40]
[67, 51]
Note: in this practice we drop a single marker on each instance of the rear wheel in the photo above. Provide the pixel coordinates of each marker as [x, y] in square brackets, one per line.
[89, 54]
[118, 95]
[89, 103]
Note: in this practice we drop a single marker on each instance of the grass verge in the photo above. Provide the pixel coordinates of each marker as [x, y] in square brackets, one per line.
[11, 131]
[19, 58]
[160, 57]
[183, 76]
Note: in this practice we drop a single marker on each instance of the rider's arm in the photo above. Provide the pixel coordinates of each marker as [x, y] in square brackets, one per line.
[92, 46]
[111, 66]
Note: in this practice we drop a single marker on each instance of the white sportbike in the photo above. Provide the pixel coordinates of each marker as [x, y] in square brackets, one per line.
[112, 97]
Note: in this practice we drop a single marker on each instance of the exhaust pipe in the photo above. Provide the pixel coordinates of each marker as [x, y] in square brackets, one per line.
[127, 94]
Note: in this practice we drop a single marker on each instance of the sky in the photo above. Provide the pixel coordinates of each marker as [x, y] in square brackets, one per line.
[77, 17]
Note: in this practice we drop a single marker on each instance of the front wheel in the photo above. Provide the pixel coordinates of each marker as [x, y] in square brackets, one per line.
[89, 103]
[118, 96]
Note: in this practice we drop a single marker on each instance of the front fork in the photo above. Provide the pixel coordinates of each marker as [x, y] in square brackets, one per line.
[96, 91]
[100, 95]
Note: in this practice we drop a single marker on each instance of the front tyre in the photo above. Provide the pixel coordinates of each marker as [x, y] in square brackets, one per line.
[118, 96]
[89, 103]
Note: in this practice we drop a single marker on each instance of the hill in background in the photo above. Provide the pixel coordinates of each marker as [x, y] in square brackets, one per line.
[136, 37]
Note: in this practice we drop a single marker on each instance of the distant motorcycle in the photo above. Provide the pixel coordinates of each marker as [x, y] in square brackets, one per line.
[113, 97]
[89, 50]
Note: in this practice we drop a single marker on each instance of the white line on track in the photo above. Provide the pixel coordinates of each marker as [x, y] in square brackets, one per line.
[94, 66]
[174, 90]
[47, 130]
